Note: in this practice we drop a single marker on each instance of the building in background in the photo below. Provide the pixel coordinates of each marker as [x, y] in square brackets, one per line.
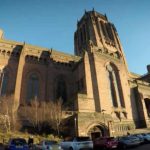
[105, 97]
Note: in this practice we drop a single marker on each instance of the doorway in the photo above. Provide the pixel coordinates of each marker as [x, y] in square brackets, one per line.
[98, 131]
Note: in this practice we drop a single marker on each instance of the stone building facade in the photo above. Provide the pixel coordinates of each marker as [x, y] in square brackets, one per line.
[106, 98]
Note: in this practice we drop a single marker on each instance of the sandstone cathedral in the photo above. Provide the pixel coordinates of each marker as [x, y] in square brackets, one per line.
[105, 96]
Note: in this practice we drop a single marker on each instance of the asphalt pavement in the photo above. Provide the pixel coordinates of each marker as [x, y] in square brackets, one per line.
[141, 147]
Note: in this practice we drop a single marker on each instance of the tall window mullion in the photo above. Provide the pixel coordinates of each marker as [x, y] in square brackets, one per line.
[61, 90]
[115, 86]
[32, 87]
[120, 90]
[1, 80]
[112, 88]
[4, 84]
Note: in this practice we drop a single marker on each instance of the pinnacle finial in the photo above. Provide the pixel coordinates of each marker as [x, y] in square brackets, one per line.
[148, 68]
[24, 44]
[85, 11]
[1, 33]
[106, 16]
[93, 9]
[77, 22]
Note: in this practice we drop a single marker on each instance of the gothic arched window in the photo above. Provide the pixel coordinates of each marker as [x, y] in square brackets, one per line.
[61, 89]
[3, 83]
[109, 31]
[32, 87]
[103, 25]
[115, 86]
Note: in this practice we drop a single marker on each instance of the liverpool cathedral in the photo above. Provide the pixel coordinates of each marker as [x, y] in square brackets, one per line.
[105, 97]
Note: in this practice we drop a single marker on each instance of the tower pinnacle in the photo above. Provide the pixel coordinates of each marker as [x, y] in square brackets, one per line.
[1, 33]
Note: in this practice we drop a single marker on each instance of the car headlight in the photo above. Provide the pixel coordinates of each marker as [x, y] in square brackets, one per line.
[49, 148]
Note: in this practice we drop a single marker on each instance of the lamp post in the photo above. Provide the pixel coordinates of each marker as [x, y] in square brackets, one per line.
[111, 131]
[102, 111]
[75, 125]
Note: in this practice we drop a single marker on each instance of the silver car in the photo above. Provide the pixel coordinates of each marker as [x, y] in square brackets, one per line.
[48, 145]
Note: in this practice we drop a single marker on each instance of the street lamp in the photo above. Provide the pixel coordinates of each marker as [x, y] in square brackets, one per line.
[111, 131]
[102, 111]
[75, 125]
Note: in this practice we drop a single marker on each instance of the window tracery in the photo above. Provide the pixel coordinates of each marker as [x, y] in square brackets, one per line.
[32, 87]
[115, 86]
[4, 76]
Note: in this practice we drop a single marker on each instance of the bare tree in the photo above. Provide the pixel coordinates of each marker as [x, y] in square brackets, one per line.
[33, 113]
[40, 112]
[54, 114]
[8, 112]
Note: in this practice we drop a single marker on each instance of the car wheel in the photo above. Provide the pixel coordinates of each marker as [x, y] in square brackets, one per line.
[104, 148]
[70, 148]
[124, 146]
[95, 148]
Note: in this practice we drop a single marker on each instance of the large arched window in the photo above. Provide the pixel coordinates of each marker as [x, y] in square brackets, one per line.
[115, 86]
[3, 83]
[61, 89]
[32, 87]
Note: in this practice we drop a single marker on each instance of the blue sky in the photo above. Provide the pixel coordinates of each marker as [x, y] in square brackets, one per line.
[51, 24]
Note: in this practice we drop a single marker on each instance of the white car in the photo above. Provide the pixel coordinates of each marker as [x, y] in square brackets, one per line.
[77, 143]
[48, 145]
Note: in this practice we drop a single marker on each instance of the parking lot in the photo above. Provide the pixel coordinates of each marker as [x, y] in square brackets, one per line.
[102, 142]
[142, 147]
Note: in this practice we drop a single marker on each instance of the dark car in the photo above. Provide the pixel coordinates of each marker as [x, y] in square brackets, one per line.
[128, 141]
[17, 144]
[105, 143]
[146, 137]
[141, 138]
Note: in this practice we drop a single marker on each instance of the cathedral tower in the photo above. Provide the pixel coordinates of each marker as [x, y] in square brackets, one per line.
[106, 75]
[96, 32]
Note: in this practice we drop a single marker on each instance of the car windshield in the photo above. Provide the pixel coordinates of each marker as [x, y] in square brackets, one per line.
[132, 137]
[50, 142]
[83, 139]
[18, 141]
[124, 138]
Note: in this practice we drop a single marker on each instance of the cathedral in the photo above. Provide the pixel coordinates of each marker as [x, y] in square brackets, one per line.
[106, 98]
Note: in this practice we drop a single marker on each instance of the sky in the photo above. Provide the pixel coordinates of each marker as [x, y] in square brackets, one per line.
[52, 23]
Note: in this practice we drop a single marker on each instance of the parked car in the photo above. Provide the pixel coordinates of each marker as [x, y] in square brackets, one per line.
[2, 147]
[48, 145]
[77, 143]
[105, 143]
[128, 141]
[17, 144]
[141, 138]
[146, 137]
